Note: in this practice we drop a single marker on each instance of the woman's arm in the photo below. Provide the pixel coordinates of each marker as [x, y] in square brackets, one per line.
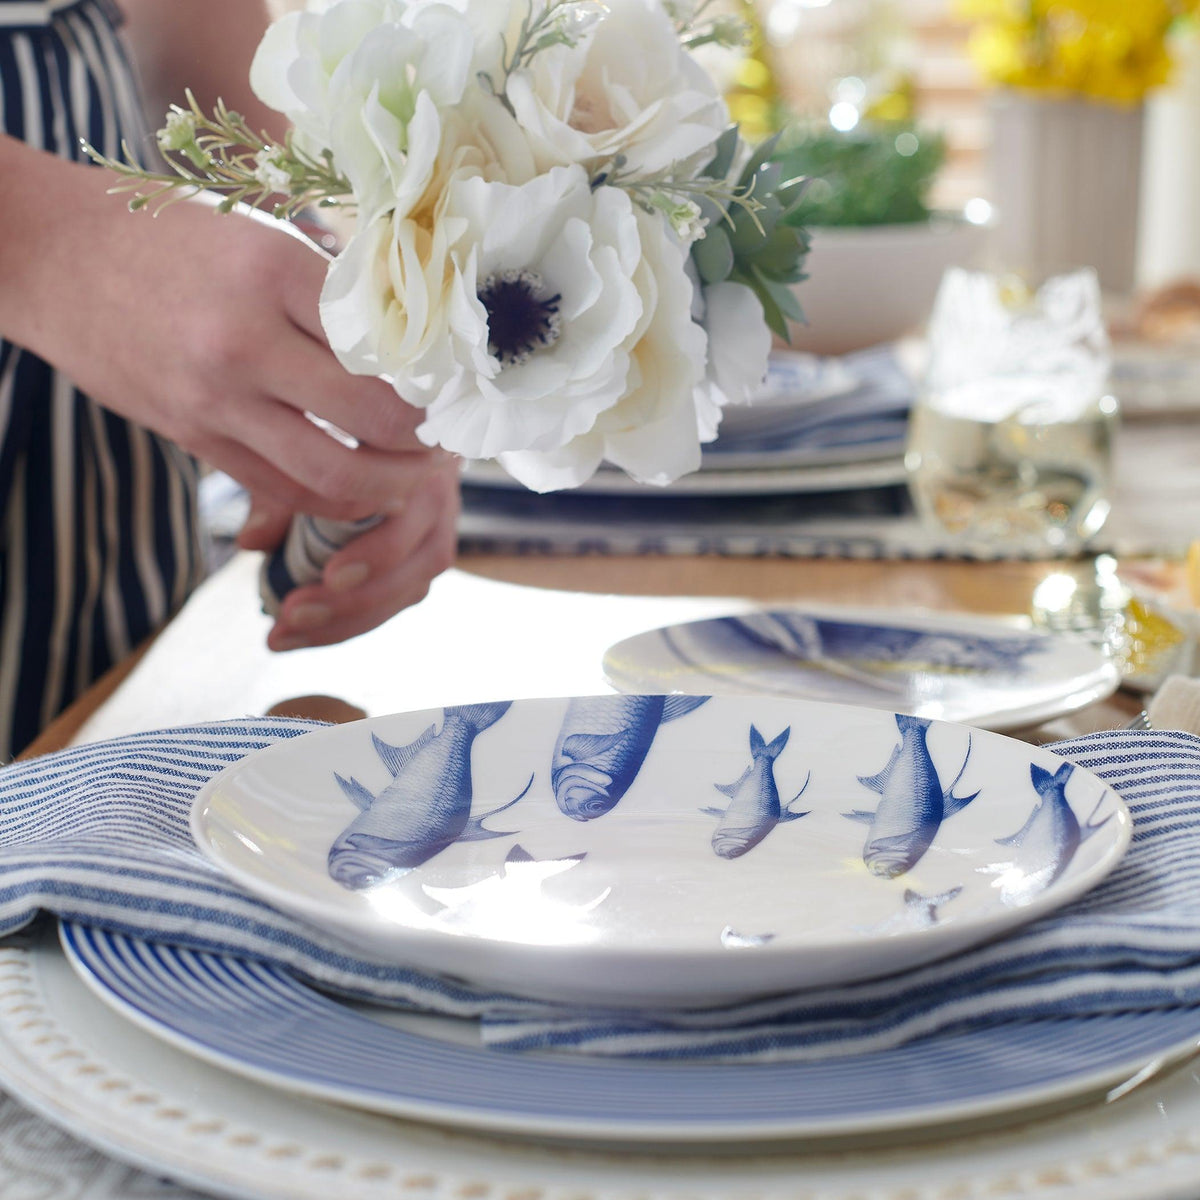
[204, 45]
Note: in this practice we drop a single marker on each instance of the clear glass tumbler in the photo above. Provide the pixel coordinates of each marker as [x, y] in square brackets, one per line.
[1010, 442]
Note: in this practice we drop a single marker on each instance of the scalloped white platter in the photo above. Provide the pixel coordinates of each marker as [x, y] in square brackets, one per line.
[657, 850]
[87, 1069]
[978, 670]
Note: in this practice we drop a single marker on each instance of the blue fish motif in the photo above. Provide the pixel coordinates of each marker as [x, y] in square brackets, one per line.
[1046, 843]
[912, 802]
[754, 808]
[815, 639]
[919, 912]
[425, 808]
[601, 746]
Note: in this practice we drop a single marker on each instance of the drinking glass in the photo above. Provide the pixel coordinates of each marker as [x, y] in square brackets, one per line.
[1010, 441]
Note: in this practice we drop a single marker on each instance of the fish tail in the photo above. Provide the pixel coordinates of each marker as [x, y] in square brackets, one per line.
[761, 748]
[904, 722]
[479, 717]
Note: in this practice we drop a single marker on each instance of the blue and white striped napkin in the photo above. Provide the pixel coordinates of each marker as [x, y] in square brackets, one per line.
[99, 834]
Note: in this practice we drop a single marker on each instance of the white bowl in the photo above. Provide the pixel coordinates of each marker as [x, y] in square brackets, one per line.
[874, 283]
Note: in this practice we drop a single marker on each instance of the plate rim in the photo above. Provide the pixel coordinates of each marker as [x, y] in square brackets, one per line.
[1127, 1151]
[1009, 1103]
[995, 721]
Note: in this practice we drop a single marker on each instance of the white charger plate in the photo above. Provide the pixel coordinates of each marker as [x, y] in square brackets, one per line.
[977, 670]
[77, 1062]
[261, 1023]
[655, 850]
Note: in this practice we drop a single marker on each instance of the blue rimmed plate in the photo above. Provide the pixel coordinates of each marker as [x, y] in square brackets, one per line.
[659, 851]
[977, 670]
[261, 1023]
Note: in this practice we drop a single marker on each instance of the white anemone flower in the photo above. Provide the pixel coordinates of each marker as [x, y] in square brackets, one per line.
[654, 431]
[627, 88]
[368, 80]
[739, 342]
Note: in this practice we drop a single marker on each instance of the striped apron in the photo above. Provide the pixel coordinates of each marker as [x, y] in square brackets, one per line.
[98, 540]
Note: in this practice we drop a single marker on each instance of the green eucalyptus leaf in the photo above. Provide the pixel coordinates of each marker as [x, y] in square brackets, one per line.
[725, 148]
[713, 255]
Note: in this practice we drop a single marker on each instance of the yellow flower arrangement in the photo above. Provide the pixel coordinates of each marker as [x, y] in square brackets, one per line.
[1114, 51]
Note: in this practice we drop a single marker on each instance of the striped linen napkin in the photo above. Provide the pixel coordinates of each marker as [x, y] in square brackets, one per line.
[99, 834]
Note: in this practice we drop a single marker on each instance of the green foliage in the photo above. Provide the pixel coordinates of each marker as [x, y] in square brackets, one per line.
[760, 243]
[873, 175]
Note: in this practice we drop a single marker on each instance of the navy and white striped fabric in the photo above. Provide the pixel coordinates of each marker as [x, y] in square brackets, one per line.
[99, 834]
[97, 517]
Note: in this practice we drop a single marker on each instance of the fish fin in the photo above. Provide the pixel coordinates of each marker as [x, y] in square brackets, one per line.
[757, 743]
[951, 803]
[579, 747]
[479, 716]
[1039, 776]
[859, 814]
[675, 707]
[955, 804]
[355, 792]
[728, 789]
[774, 748]
[1015, 839]
[1087, 828]
[807, 781]
[475, 832]
[519, 796]
[396, 758]
[710, 810]
[789, 815]
[876, 782]
[518, 854]
[906, 721]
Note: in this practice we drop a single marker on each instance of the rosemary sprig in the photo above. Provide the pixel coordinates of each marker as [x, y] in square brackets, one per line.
[221, 153]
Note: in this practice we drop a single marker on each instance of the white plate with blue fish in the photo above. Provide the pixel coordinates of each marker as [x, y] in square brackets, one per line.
[977, 670]
[659, 851]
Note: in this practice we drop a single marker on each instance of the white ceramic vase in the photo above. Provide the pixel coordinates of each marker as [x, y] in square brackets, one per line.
[1065, 181]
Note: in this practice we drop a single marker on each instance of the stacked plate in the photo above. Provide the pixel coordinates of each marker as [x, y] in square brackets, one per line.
[638, 851]
[819, 455]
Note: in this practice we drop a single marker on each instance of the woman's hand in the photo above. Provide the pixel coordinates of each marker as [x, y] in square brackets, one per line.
[380, 572]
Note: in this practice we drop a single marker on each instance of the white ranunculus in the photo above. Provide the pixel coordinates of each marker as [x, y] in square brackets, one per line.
[654, 431]
[627, 88]
[369, 81]
[739, 342]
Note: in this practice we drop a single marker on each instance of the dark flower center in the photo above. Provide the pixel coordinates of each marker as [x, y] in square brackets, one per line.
[521, 318]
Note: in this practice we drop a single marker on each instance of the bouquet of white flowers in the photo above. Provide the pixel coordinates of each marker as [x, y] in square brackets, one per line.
[562, 251]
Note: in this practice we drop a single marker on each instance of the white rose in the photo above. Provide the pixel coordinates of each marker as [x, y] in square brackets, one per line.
[368, 80]
[654, 431]
[628, 88]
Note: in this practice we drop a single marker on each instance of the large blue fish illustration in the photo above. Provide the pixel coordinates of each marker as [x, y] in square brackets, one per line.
[754, 808]
[425, 808]
[601, 746]
[912, 802]
[1046, 843]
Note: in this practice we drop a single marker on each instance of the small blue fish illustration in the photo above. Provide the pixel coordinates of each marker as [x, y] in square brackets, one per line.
[754, 808]
[1046, 843]
[601, 746]
[919, 912]
[425, 808]
[912, 802]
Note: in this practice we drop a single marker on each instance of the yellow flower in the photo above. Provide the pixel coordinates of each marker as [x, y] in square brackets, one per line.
[1109, 50]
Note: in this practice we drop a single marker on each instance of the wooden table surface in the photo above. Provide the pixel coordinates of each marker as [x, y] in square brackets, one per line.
[1014, 589]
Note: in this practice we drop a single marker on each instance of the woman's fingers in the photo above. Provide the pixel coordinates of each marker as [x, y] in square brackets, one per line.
[387, 569]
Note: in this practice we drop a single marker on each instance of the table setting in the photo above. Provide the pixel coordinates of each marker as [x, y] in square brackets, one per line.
[794, 790]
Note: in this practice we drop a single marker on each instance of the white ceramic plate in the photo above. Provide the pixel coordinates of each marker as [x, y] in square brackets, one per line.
[840, 476]
[652, 850]
[264, 1024]
[976, 670]
[73, 1059]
